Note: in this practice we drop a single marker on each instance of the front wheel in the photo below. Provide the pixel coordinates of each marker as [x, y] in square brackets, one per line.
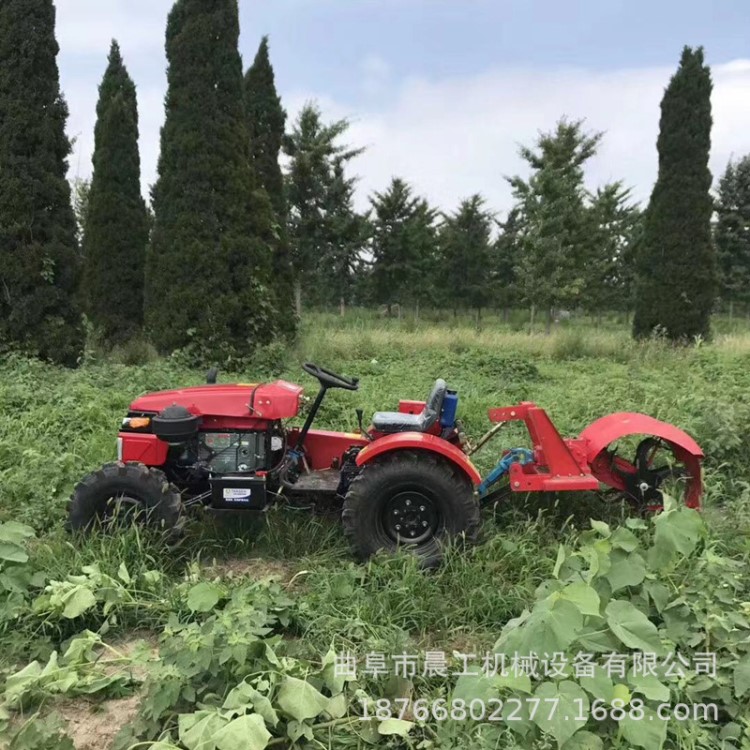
[119, 494]
[413, 500]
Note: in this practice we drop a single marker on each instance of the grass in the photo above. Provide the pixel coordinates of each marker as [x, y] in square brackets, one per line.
[56, 425]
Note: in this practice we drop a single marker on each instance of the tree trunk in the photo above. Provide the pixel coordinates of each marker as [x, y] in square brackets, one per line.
[548, 326]
[342, 307]
[298, 297]
[416, 310]
[531, 318]
[506, 315]
[731, 311]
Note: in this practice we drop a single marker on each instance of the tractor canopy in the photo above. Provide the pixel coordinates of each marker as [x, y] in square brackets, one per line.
[270, 401]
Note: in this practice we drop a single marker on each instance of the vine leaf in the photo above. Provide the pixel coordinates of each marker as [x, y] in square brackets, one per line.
[742, 676]
[562, 710]
[633, 628]
[648, 732]
[245, 733]
[198, 731]
[203, 597]
[300, 700]
[399, 727]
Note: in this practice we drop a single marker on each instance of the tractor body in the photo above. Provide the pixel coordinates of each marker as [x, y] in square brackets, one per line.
[407, 479]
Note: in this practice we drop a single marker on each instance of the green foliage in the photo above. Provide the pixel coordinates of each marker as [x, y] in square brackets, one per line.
[115, 223]
[404, 246]
[555, 235]
[327, 236]
[464, 264]
[732, 233]
[676, 260]
[265, 120]
[39, 263]
[208, 267]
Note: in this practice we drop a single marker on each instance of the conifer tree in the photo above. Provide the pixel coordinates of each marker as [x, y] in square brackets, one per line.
[208, 264]
[465, 256]
[39, 260]
[403, 246]
[676, 264]
[552, 206]
[732, 234]
[116, 222]
[325, 233]
[266, 118]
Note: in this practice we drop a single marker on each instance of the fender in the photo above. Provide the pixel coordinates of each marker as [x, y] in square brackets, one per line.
[419, 441]
[598, 435]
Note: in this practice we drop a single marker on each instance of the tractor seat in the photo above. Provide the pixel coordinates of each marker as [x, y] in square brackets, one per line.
[396, 421]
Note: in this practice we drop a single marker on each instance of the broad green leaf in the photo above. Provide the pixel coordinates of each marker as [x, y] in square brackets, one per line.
[550, 628]
[583, 740]
[15, 533]
[649, 686]
[598, 640]
[77, 601]
[203, 597]
[628, 569]
[562, 711]
[395, 726]
[300, 700]
[583, 596]
[244, 733]
[198, 731]
[648, 732]
[123, 575]
[475, 687]
[600, 685]
[633, 628]
[677, 533]
[659, 594]
[742, 676]
[513, 680]
[337, 706]
[624, 539]
[245, 695]
[334, 682]
[561, 553]
[600, 527]
[12, 552]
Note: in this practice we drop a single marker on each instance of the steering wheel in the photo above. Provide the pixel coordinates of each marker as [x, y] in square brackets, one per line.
[330, 379]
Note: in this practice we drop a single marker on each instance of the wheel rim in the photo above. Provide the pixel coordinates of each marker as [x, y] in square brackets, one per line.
[655, 471]
[410, 517]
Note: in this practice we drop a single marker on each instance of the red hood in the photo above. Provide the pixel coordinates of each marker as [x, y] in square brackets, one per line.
[279, 400]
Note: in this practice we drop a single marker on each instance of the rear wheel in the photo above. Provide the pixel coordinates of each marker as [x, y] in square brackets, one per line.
[118, 494]
[412, 500]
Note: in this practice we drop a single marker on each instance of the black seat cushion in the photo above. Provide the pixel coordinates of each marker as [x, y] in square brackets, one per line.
[396, 421]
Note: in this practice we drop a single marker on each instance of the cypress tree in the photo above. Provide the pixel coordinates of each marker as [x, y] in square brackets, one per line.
[676, 263]
[116, 223]
[266, 118]
[39, 263]
[208, 264]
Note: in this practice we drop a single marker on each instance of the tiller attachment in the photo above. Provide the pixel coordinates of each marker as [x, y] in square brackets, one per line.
[666, 461]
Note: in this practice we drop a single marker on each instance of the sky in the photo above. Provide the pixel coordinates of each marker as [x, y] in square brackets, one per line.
[442, 93]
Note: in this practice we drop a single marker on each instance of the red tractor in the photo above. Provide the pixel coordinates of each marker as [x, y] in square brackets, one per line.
[407, 480]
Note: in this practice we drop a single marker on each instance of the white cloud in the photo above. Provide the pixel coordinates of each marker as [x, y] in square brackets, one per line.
[450, 137]
[455, 137]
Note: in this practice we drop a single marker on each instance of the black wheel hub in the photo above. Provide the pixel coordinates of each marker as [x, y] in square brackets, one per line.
[410, 517]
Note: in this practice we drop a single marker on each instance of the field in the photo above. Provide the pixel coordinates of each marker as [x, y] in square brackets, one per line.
[229, 640]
